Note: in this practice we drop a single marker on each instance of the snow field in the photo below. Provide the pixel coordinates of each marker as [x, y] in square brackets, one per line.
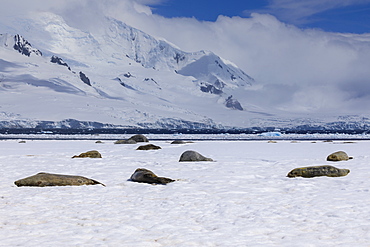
[242, 199]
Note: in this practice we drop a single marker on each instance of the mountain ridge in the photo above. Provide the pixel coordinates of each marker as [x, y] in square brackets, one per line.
[120, 76]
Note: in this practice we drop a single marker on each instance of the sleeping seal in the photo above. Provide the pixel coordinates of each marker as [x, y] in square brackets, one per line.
[193, 156]
[88, 154]
[149, 147]
[43, 179]
[139, 138]
[338, 156]
[316, 171]
[143, 175]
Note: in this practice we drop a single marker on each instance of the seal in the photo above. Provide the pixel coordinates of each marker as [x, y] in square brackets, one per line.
[317, 171]
[180, 142]
[148, 147]
[43, 179]
[139, 138]
[88, 154]
[129, 141]
[193, 156]
[338, 156]
[143, 175]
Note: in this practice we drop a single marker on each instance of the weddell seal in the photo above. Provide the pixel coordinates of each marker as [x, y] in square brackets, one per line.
[193, 156]
[43, 179]
[88, 154]
[143, 175]
[139, 138]
[317, 171]
[338, 156]
[149, 147]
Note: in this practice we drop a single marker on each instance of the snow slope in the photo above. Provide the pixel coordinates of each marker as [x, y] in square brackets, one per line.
[53, 74]
[116, 74]
[242, 199]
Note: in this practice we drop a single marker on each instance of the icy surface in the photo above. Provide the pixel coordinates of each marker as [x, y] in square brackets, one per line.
[242, 199]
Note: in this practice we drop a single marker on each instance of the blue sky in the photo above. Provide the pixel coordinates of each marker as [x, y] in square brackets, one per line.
[346, 16]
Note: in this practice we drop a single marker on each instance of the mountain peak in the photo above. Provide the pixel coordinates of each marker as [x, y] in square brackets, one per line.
[115, 75]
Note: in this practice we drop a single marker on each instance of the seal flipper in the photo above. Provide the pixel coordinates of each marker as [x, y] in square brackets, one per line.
[97, 182]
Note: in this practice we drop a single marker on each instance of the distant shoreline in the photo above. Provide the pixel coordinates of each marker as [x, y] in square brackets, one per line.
[193, 137]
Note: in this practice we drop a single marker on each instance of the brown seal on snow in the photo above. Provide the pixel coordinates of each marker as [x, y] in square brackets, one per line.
[193, 156]
[143, 175]
[43, 179]
[88, 154]
[338, 156]
[129, 141]
[317, 171]
[180, 142]
[139, 138]
[149, 147]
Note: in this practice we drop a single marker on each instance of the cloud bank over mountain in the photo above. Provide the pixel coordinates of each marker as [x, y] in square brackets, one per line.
[300, 70]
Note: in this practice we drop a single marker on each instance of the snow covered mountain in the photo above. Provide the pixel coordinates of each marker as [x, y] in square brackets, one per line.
[54, 75]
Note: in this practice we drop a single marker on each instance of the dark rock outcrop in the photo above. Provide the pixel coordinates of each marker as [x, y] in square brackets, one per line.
[24, 47]
[85, 79]
[58, 60]
[233, 104]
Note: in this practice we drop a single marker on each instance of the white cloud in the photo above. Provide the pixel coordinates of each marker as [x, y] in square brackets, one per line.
[312, 64]
[298, 69]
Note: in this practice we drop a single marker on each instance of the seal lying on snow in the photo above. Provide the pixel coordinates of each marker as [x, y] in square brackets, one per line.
[139, 138]
[338, 156]
[316, 171]
[88, 154]
[193, 156]
[47, 179]
[143, 175]
[149, 147]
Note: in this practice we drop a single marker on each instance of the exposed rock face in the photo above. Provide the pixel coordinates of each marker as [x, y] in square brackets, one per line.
[24, 47]
[43, 179]
[149, 147]
[233, 104]
[139, 138]
[193, 156]
[143, 175]
[129, 141]
[338, 156]
[209, 88]
[58, 60]
[85, 79]
[317, 171]
[89, 154]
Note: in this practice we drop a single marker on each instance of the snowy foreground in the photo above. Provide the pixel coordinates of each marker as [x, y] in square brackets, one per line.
[242, 199]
